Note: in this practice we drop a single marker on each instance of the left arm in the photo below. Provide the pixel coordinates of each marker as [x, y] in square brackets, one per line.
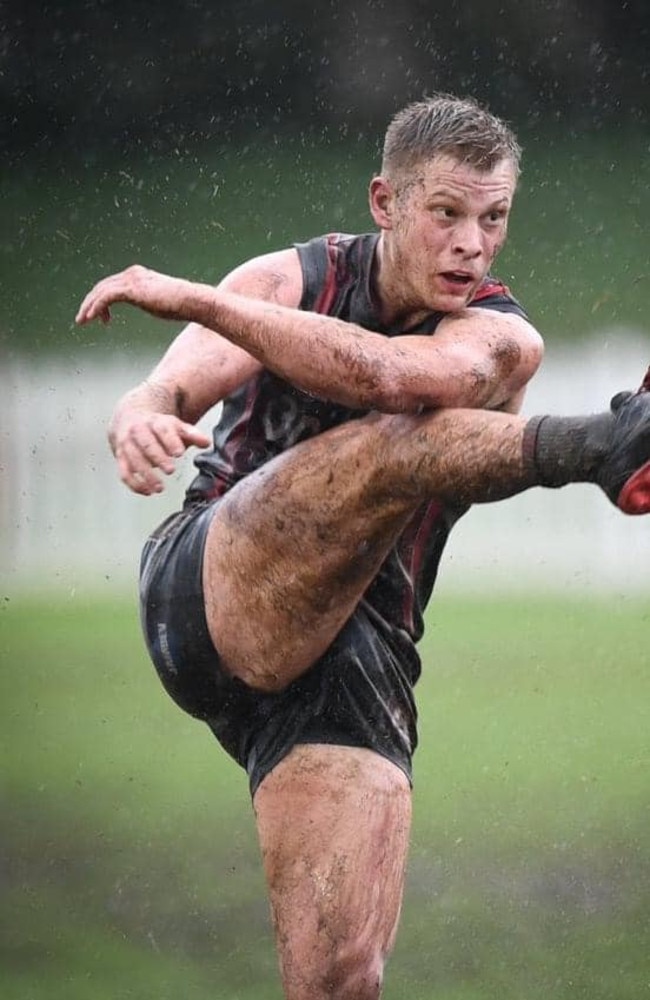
[477, 357]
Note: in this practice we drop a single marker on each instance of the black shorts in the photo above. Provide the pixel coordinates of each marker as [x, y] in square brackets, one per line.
[359, 693]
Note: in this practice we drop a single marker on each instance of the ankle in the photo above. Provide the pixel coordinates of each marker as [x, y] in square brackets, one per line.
[562, 450]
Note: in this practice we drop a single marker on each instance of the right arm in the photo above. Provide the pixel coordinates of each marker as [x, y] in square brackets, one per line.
[153, 423]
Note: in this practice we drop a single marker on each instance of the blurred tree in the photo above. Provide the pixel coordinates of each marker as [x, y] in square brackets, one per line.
[111, 71]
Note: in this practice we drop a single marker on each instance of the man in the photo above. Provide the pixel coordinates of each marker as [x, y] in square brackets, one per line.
[370, 389]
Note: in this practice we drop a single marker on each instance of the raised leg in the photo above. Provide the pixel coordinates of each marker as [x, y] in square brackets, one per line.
[293, 547]
[334, 824]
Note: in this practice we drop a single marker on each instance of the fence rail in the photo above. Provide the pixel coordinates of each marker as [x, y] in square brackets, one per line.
[67, 523]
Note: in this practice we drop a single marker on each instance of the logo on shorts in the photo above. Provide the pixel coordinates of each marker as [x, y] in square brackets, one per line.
[165, 652]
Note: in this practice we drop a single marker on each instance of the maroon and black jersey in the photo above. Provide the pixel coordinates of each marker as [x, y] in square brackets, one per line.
[267, 415]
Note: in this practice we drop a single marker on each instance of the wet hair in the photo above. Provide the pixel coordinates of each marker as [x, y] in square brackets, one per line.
[456, 126]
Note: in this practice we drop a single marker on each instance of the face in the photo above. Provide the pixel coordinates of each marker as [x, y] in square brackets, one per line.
[441, 227]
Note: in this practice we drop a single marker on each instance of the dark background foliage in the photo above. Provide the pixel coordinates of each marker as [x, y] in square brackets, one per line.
[190, 135]
[120, 72]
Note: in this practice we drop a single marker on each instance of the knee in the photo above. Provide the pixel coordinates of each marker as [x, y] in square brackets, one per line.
[266, 675]
[263, 681]
[353, 971]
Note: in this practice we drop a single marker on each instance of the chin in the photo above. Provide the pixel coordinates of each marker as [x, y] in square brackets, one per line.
[451, 303]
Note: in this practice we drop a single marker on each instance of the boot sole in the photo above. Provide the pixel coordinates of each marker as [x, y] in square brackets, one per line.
[634, 498]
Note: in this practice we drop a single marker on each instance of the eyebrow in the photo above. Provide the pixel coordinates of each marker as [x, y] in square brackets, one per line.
[446, 193]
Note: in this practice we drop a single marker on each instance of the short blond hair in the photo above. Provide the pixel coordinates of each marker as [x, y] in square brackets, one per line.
[443, 123]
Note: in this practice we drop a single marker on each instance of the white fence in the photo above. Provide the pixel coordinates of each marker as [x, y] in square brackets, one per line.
[66, 522]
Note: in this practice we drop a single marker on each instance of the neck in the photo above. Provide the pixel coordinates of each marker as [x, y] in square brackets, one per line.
[390, 292]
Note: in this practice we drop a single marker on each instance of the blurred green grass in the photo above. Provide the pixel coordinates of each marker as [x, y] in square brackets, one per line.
[577, 255]
[130, 860]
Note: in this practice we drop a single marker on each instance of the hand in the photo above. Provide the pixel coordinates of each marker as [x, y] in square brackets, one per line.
[144, 443]
[155, 293]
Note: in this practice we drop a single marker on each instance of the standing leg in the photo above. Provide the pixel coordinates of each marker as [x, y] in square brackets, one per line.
[334, 825]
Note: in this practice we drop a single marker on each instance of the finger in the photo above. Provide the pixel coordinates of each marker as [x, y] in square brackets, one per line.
[95, 308]
[137, 469]
[177, 435]
[96, 304]
[142, 481]
[152, 451]
[84, 313]
[170, 437]
[192, 435]
[85, 310]
[144, 485]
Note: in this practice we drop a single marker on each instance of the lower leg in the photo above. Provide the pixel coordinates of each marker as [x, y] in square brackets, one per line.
[334, 825]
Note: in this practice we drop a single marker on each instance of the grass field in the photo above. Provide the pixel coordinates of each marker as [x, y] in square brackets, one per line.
[131, 866]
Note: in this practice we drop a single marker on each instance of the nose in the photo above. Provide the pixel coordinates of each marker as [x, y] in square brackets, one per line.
[468, 241]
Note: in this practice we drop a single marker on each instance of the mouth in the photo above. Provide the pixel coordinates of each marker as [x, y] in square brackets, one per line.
[461, 279]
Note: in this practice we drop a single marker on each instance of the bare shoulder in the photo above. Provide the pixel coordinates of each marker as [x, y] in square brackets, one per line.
[274, 277]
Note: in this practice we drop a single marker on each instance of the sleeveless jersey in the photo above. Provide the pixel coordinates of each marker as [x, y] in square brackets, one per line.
[267, 415]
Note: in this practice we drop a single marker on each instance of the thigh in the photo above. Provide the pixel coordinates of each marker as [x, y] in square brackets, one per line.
[295, 544]
[334, 826]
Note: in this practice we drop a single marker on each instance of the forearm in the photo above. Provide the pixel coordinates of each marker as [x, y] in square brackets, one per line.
[322, 355]
[347, 364]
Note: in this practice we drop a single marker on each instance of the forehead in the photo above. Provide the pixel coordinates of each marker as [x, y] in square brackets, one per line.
[444, 174]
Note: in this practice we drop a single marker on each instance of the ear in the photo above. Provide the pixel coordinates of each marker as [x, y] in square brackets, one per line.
[381, 197]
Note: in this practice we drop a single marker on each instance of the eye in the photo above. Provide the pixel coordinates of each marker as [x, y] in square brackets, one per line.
[496, 216]
[444, 212]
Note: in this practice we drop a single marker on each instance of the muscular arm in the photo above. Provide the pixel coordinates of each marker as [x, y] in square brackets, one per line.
[477, 358]
[153, 423]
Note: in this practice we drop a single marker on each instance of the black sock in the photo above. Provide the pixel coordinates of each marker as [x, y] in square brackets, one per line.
[561, 450]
